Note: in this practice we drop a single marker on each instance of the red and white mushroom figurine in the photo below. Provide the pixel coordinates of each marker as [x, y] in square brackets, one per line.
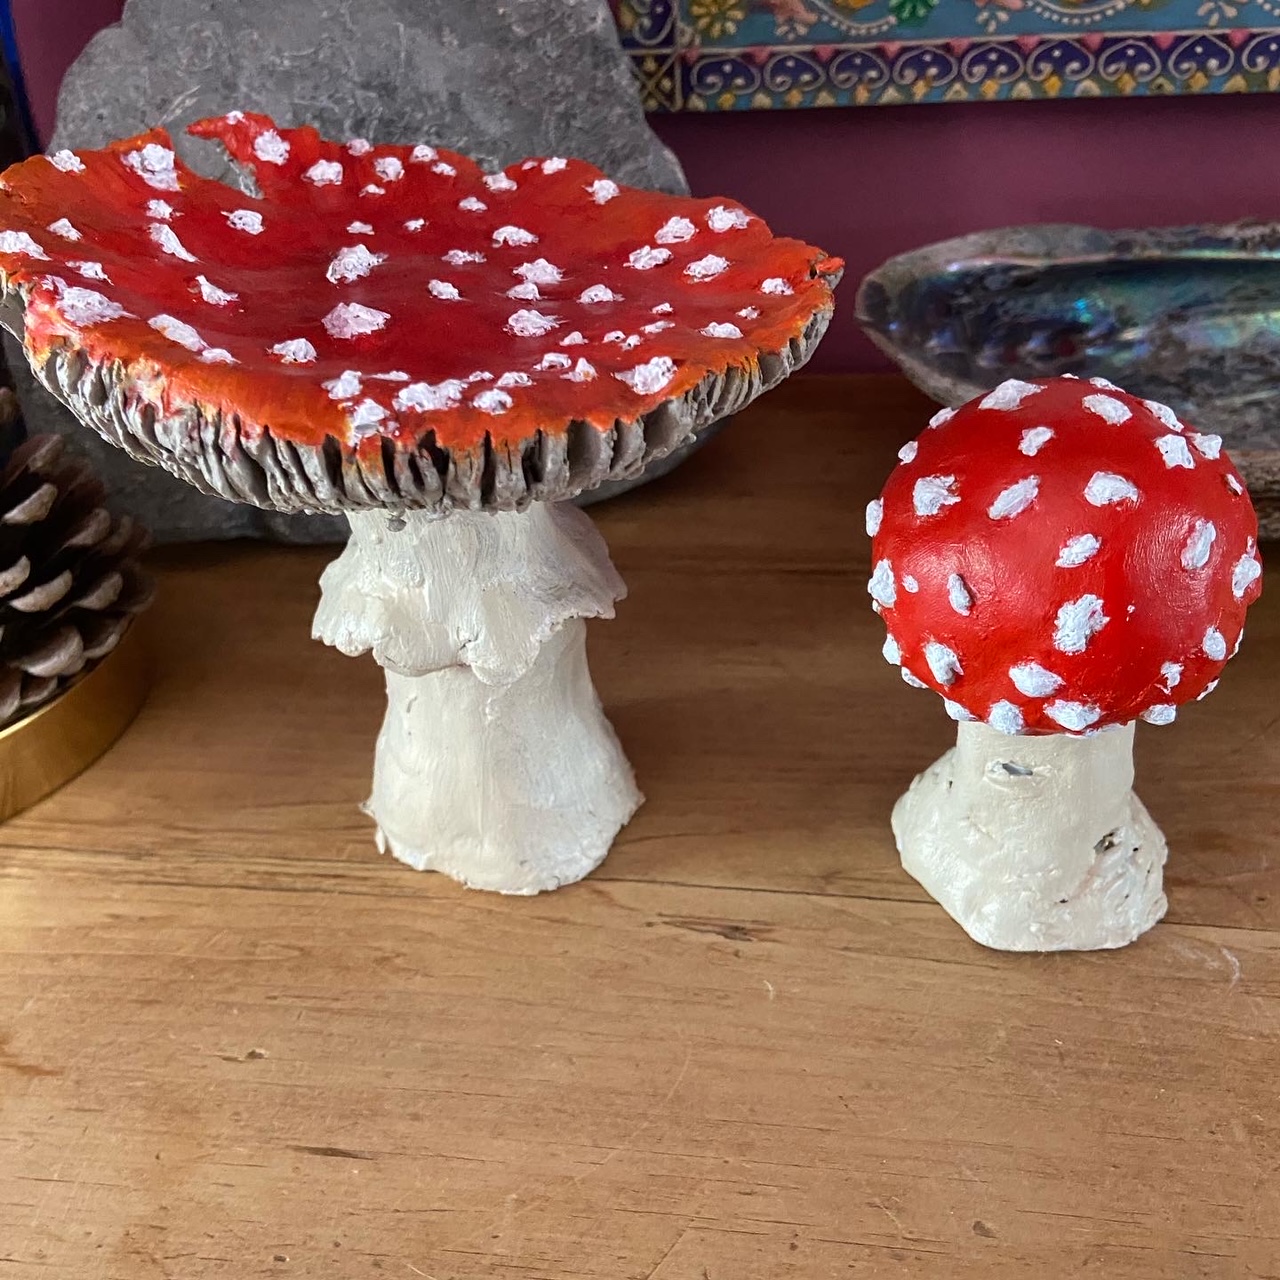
[1057, 559]
[447, 356]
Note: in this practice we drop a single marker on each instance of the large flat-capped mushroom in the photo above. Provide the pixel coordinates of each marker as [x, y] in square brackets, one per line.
[1058, 560]
[389, 332]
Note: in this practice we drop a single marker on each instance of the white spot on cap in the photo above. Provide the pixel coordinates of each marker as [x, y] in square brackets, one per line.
[214, 296]
[647, 258]
[1160, 713]
[352, 320]
[423, 154]
[426, 398]
[396, 375]
[663, 309]
[500, 182]
[344, 387]
[19, 242]
[218, 355]
[1207, 690]
[1009, 394]
[1214, 644]
[413, 225]
[517, 236]
[1195, 555]
[1015, 499]
[956, 711]
[443, 290]
[707, 268]
[715, 330]
[445, 170]
[388, 168]
[1005, 717]
[461, 257]
[526, 292]
[583, 371]
[675, 231]
[1174, 451]
[540, 271]
[324, 173]
[361, 146]
[1246, 572]
[932, 493]
[942, 417]
[943, 663]
[365, 416]
[530, 324]
[164, 237]
[87, 307]
[178, 331]
[295, 351]
[160, 209]
[1075, 551]
[892, 653]
[598, 293]
[353, 263]
[363, 228]
[67, 161]
[246, 220]
[154, 164]
[722, 218]
[1073, 716]
[750, 313]
[910, 584]
[557, 164]
[1078, 621]
[271, 147]
[661, 326]
[515, 379]
[470, 204]
[602, 190]
[553, 360]
[909, 678]
[882, 588]
[908, 451]
[1034, 681]
[1034, 439]
[1208, 446]
[575, 339]
[372, 189]
[1166, 415]
[1105, 488]
[1234, 485]
[651, 377]
[875, 514]
[1108, 408]
[493, 401]
[64, 228]
[1170, 673]
[776, 286]
[959, 595]
[91, 271]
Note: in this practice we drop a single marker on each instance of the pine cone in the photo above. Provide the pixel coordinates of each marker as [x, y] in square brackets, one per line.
[70, 583]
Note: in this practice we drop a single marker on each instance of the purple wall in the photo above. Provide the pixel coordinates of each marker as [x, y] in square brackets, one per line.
[870, 183]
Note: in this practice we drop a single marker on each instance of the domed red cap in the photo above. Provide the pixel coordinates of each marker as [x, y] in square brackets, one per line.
[1060, 556]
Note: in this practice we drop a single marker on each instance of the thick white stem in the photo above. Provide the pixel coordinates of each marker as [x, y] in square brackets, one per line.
[495, 763]
[1035, 843]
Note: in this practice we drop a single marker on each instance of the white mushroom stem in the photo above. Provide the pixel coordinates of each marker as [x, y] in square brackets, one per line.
[1035, 843]
[495, 763]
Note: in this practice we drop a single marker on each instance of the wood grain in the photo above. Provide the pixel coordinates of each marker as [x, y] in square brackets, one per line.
[235, 1042]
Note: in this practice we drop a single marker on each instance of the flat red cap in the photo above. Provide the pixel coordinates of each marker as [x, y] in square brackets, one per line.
[1060, 556]
[378, 297]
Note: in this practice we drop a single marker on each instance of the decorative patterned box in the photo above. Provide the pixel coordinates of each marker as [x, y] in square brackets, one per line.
[734, 55]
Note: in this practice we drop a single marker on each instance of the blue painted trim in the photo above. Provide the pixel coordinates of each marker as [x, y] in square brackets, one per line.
[13, 60]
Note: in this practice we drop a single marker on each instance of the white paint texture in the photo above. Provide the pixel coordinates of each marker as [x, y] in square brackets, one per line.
[495, 763]
[1035, 843]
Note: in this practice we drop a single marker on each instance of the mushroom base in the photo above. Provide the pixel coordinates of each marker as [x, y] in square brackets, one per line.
[1035, 843]
[516, 787]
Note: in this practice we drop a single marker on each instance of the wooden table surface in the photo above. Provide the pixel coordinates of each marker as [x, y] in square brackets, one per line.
[236, 1042]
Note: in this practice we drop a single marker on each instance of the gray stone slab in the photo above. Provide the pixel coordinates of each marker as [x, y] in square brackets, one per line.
[498, 81]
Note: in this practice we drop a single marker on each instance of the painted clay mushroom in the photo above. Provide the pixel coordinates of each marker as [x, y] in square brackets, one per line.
[447, 356]
[1057, 559]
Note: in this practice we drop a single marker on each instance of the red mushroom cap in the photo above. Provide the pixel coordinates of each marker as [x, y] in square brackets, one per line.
[377, 294]
[1060, 556]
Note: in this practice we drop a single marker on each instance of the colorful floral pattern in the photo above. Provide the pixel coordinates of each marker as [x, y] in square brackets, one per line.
[736, 55]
